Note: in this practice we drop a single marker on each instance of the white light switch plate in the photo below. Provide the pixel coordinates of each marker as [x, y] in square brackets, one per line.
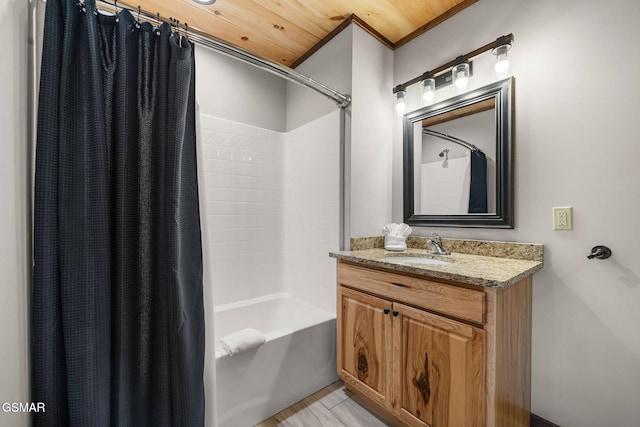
[563, 218]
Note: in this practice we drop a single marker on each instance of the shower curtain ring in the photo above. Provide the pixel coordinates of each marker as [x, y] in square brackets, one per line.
[179, 33]
[138, 25]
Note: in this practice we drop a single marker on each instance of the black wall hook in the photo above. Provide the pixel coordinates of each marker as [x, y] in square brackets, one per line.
[600, 252]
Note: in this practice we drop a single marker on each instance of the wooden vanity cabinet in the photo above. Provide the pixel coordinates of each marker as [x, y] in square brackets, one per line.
[407, 346]
[438, 370]
[366, 341]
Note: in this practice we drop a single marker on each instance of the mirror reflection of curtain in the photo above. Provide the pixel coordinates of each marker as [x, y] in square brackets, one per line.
[117, 311]
[478, 185]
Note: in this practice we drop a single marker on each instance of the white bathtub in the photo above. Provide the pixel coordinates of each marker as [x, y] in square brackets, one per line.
[297, 359]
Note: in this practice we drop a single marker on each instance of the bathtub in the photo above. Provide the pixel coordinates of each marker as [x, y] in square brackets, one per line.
[297, 359]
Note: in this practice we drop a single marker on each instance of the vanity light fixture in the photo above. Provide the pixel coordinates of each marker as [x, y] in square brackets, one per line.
[400, 92]
[460, 73]
[428, 88]
[500, 51]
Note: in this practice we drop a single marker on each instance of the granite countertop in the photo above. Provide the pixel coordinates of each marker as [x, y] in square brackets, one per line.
[486, 265]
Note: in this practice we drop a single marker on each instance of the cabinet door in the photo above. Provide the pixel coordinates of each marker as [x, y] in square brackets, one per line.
[364, 343]
[439, 370]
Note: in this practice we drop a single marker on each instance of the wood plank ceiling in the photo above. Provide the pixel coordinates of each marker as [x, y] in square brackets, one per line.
[287, 31]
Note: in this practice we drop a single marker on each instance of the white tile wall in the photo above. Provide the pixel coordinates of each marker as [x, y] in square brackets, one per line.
[312, 161]
[272, 209]
[243, 169]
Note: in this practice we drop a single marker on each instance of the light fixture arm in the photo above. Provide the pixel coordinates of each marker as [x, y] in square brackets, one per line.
[399, 89]
[503, 40]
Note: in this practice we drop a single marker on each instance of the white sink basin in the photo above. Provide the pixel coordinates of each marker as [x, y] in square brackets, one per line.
[417, 260]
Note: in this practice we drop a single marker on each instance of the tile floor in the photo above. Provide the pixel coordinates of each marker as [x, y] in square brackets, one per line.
[333, 406]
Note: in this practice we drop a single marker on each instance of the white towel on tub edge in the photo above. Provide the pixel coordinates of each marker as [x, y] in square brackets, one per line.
[241, 341]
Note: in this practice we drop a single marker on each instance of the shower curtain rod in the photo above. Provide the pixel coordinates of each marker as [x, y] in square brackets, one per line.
[450, 138]
[205, 40]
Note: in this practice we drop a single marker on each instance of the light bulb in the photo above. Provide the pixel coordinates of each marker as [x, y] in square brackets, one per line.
[428, 90]
[400, 105]
[502, 66]
[462, 82]
[428, 96]
[460, 75]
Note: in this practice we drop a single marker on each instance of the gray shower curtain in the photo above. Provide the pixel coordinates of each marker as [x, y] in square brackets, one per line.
[117, 310]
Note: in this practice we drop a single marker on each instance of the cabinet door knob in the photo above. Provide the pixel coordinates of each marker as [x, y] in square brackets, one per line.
[395, 314]
[386, 311]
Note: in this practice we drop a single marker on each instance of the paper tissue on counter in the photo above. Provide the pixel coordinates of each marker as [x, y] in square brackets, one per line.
[395, 236]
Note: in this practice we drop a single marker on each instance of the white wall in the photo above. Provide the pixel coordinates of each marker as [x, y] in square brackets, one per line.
[14, 216]
[371, 135]
[232, 90]
[355, 63]
[576, 114]
[330, 65]
[312, 180]
[244, 173]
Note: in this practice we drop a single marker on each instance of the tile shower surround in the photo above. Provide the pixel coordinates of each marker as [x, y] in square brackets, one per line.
[244, 181]
[267, 193]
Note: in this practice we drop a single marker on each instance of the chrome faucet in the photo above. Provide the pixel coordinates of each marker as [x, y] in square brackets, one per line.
[436, 246]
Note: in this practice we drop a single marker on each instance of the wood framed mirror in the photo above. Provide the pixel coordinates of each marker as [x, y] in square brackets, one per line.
[457, 160]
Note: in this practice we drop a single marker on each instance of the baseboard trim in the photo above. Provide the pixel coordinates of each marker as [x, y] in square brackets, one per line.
[537, 421]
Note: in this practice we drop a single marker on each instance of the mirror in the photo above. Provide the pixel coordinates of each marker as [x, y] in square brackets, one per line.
[457, 160]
